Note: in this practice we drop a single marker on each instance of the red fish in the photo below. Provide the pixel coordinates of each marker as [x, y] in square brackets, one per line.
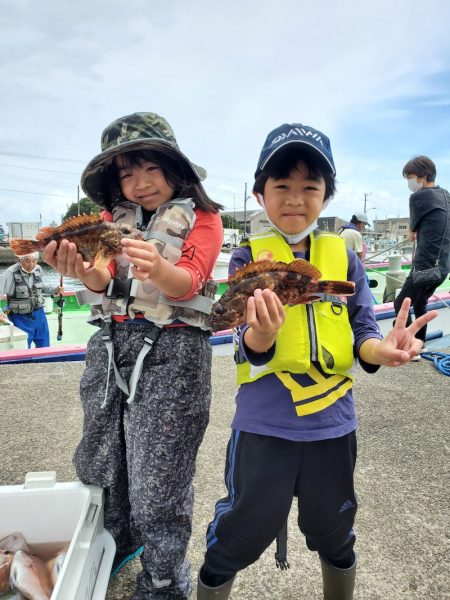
[30, 576]
[97, 240]
[297, 282]
[55, 565]
[5, 568]
[13, 542]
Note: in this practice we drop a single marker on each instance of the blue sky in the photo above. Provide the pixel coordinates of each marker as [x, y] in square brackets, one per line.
[373, 76]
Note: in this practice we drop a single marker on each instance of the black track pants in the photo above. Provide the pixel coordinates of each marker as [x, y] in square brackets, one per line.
[262, 475]
[419, 294]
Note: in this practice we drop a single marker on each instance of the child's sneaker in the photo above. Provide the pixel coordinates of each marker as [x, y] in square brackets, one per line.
[122, 558]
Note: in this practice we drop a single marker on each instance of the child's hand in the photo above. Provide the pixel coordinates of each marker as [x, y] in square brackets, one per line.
[144, 257]
[400, 345]
[66, 259]
[265, 315]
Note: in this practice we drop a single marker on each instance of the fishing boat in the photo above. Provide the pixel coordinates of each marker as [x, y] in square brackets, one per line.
[384, 277]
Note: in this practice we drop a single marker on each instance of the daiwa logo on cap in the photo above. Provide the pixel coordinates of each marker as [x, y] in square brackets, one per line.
[298, 131]
[296, 134]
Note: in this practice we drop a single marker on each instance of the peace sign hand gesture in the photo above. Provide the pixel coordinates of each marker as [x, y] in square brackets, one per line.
[400, 345]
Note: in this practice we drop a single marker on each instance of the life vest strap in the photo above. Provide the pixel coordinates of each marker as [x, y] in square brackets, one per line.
[130, 388]
[149, 340]
[200, 303]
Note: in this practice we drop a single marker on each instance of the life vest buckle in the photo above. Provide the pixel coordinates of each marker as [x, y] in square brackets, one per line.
[337, 307]
[119, 288]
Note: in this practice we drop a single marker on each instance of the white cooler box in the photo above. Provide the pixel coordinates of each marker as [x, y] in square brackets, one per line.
[51, 515]
[12, 338]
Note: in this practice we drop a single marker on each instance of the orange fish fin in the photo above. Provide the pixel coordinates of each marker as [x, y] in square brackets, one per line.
[21, 247]
[252, 269]
[71, 224]
[303, 267]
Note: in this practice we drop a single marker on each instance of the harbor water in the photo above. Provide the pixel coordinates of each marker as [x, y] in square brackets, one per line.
[52, 278]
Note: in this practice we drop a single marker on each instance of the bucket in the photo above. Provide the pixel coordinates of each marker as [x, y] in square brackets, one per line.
[53, 515]
[11, 337]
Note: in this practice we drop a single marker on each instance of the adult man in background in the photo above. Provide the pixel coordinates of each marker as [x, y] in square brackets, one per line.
[22, 283]
[429, 219]
[351, 232]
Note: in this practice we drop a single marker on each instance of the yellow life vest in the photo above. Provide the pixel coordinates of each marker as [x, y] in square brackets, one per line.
[315, 333]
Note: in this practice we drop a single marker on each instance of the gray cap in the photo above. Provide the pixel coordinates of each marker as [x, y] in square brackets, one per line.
[362, 218]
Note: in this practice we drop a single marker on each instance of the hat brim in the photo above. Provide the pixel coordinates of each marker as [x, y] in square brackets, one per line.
[92, 176]
[296, 142]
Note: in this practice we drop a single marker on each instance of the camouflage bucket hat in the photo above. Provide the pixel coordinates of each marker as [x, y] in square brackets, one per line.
[139, 131]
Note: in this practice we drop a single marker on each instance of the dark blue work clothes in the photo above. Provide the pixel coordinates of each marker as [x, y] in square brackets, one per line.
[35, 325]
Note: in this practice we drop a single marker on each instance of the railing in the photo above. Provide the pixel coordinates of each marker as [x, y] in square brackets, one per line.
[401, 281]
[398, 245]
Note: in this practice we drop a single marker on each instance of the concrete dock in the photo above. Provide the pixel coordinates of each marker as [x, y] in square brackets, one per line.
[402, 477]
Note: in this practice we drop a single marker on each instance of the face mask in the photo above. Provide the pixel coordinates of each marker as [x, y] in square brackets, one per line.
[414, 185]
[297, 237]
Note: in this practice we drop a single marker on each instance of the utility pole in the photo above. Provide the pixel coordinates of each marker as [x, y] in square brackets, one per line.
[245, 210]
[365, 200]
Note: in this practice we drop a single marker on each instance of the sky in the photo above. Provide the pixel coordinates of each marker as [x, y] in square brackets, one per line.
[373, 76]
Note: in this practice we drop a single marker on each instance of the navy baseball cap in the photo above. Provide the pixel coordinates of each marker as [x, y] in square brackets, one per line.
[290, 134]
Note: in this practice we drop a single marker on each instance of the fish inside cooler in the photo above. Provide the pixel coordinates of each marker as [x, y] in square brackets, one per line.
[52, 542]
[29, 569]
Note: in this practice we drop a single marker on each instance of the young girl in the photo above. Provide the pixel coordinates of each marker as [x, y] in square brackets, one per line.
[294, 427]
[146, 390]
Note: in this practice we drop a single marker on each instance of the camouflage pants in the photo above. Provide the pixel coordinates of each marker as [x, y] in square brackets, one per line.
[143, 454]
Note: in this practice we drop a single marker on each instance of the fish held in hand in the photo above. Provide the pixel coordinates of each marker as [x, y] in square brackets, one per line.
[297, 282]
[97, 240]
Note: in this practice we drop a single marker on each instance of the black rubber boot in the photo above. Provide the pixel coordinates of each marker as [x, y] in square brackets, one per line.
[338, 584]
[222, 592]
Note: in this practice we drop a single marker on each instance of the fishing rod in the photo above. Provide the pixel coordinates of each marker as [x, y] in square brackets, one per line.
[60, 304]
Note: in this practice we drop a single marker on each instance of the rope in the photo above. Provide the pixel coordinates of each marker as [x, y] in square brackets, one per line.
[440, 359]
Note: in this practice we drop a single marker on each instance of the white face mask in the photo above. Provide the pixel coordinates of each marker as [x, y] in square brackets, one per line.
[298, 237]
[414, 185]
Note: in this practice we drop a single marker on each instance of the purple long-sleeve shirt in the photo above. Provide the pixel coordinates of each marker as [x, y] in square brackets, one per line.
[266, 407]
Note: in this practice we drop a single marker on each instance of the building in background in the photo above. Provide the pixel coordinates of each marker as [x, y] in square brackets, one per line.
[331, 224]
[25, 229]
[390, 232]
[252, 227]
[381, 235]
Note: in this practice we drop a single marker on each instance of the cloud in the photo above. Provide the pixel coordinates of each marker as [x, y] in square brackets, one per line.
[372, 76]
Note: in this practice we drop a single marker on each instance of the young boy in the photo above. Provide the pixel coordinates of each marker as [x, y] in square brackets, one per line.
[294, 427]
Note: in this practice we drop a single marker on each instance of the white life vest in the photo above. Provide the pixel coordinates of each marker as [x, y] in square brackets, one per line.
[167, 230]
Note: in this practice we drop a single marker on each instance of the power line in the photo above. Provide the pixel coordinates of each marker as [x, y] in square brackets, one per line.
[35, 193]
[23, 155]
[35, 181]
[36, 169]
